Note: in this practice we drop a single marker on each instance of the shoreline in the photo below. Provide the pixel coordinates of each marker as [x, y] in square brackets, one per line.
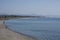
[23, 36]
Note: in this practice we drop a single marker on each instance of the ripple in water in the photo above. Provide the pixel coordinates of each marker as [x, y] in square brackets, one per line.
[42, 29]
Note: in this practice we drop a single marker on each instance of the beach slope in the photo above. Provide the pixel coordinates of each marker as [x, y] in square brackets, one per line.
[6, 34]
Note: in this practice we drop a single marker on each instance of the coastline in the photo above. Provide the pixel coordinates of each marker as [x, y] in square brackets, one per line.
[8, 34]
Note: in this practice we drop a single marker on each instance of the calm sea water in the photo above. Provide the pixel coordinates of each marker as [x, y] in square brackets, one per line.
[40, 28]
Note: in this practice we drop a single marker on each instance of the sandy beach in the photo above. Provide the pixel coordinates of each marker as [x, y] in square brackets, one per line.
[6, 34]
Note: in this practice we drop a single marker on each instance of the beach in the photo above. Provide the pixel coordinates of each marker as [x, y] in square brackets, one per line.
[6, 34]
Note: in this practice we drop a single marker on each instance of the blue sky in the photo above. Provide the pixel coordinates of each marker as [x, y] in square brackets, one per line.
[30, 7]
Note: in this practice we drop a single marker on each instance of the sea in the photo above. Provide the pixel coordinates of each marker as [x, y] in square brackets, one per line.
[40, 28]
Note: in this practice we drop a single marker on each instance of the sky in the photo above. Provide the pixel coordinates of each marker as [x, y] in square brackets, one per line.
[30, 7]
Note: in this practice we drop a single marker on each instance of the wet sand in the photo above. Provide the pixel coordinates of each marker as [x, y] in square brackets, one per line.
[6, 34]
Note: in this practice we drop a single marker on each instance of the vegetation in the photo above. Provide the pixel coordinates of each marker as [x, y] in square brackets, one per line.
[14, 16]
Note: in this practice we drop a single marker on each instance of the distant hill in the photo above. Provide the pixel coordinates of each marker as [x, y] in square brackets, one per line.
[15, 16]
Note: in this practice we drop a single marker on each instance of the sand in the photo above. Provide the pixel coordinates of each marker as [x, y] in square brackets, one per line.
[6, 34]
